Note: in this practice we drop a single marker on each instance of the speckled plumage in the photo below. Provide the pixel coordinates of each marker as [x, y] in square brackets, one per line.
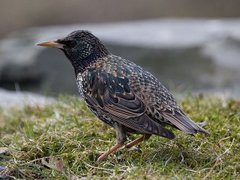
[121, 93]
[111, 81]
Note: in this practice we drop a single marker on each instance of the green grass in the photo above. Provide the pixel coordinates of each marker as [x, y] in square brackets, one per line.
[40, 141]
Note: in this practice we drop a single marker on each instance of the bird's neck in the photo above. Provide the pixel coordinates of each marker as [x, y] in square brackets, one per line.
[80, 64]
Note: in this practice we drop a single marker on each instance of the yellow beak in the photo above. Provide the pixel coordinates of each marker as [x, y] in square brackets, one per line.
[51, 44]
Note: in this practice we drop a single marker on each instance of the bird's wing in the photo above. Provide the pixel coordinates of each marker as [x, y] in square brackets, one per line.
[113, 96]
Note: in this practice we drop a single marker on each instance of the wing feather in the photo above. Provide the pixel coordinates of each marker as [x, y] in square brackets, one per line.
[123, 106]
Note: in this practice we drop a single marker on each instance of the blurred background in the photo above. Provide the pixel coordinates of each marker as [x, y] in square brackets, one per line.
[191, 46]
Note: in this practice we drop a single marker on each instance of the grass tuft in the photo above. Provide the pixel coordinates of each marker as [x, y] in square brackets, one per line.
[62, 141]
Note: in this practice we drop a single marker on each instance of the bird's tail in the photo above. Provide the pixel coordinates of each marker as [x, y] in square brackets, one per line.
[185, 124]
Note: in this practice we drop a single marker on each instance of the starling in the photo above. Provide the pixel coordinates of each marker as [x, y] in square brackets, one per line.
[121, 93]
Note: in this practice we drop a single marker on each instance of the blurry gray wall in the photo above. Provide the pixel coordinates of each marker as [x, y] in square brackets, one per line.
[19, 14]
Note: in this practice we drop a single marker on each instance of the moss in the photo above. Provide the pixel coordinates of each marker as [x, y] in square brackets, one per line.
[67, 131]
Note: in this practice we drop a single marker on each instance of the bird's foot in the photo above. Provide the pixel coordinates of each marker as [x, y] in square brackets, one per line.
[137, 141]
[102, 157]
[112, 150]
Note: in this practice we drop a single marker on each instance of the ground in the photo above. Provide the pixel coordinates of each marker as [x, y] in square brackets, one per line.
[63, 140]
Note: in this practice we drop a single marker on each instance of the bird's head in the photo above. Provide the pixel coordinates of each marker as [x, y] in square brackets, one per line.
[81, 48]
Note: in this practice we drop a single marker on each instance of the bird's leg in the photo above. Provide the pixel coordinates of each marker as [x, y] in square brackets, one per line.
[121, 138]
[138, 140]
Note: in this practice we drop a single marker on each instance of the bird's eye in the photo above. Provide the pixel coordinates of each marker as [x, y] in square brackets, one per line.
[69, 43]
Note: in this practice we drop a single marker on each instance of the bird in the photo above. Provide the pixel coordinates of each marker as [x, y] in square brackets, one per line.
[121, 93]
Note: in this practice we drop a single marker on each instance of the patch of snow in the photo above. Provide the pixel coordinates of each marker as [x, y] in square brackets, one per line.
[10, 99]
